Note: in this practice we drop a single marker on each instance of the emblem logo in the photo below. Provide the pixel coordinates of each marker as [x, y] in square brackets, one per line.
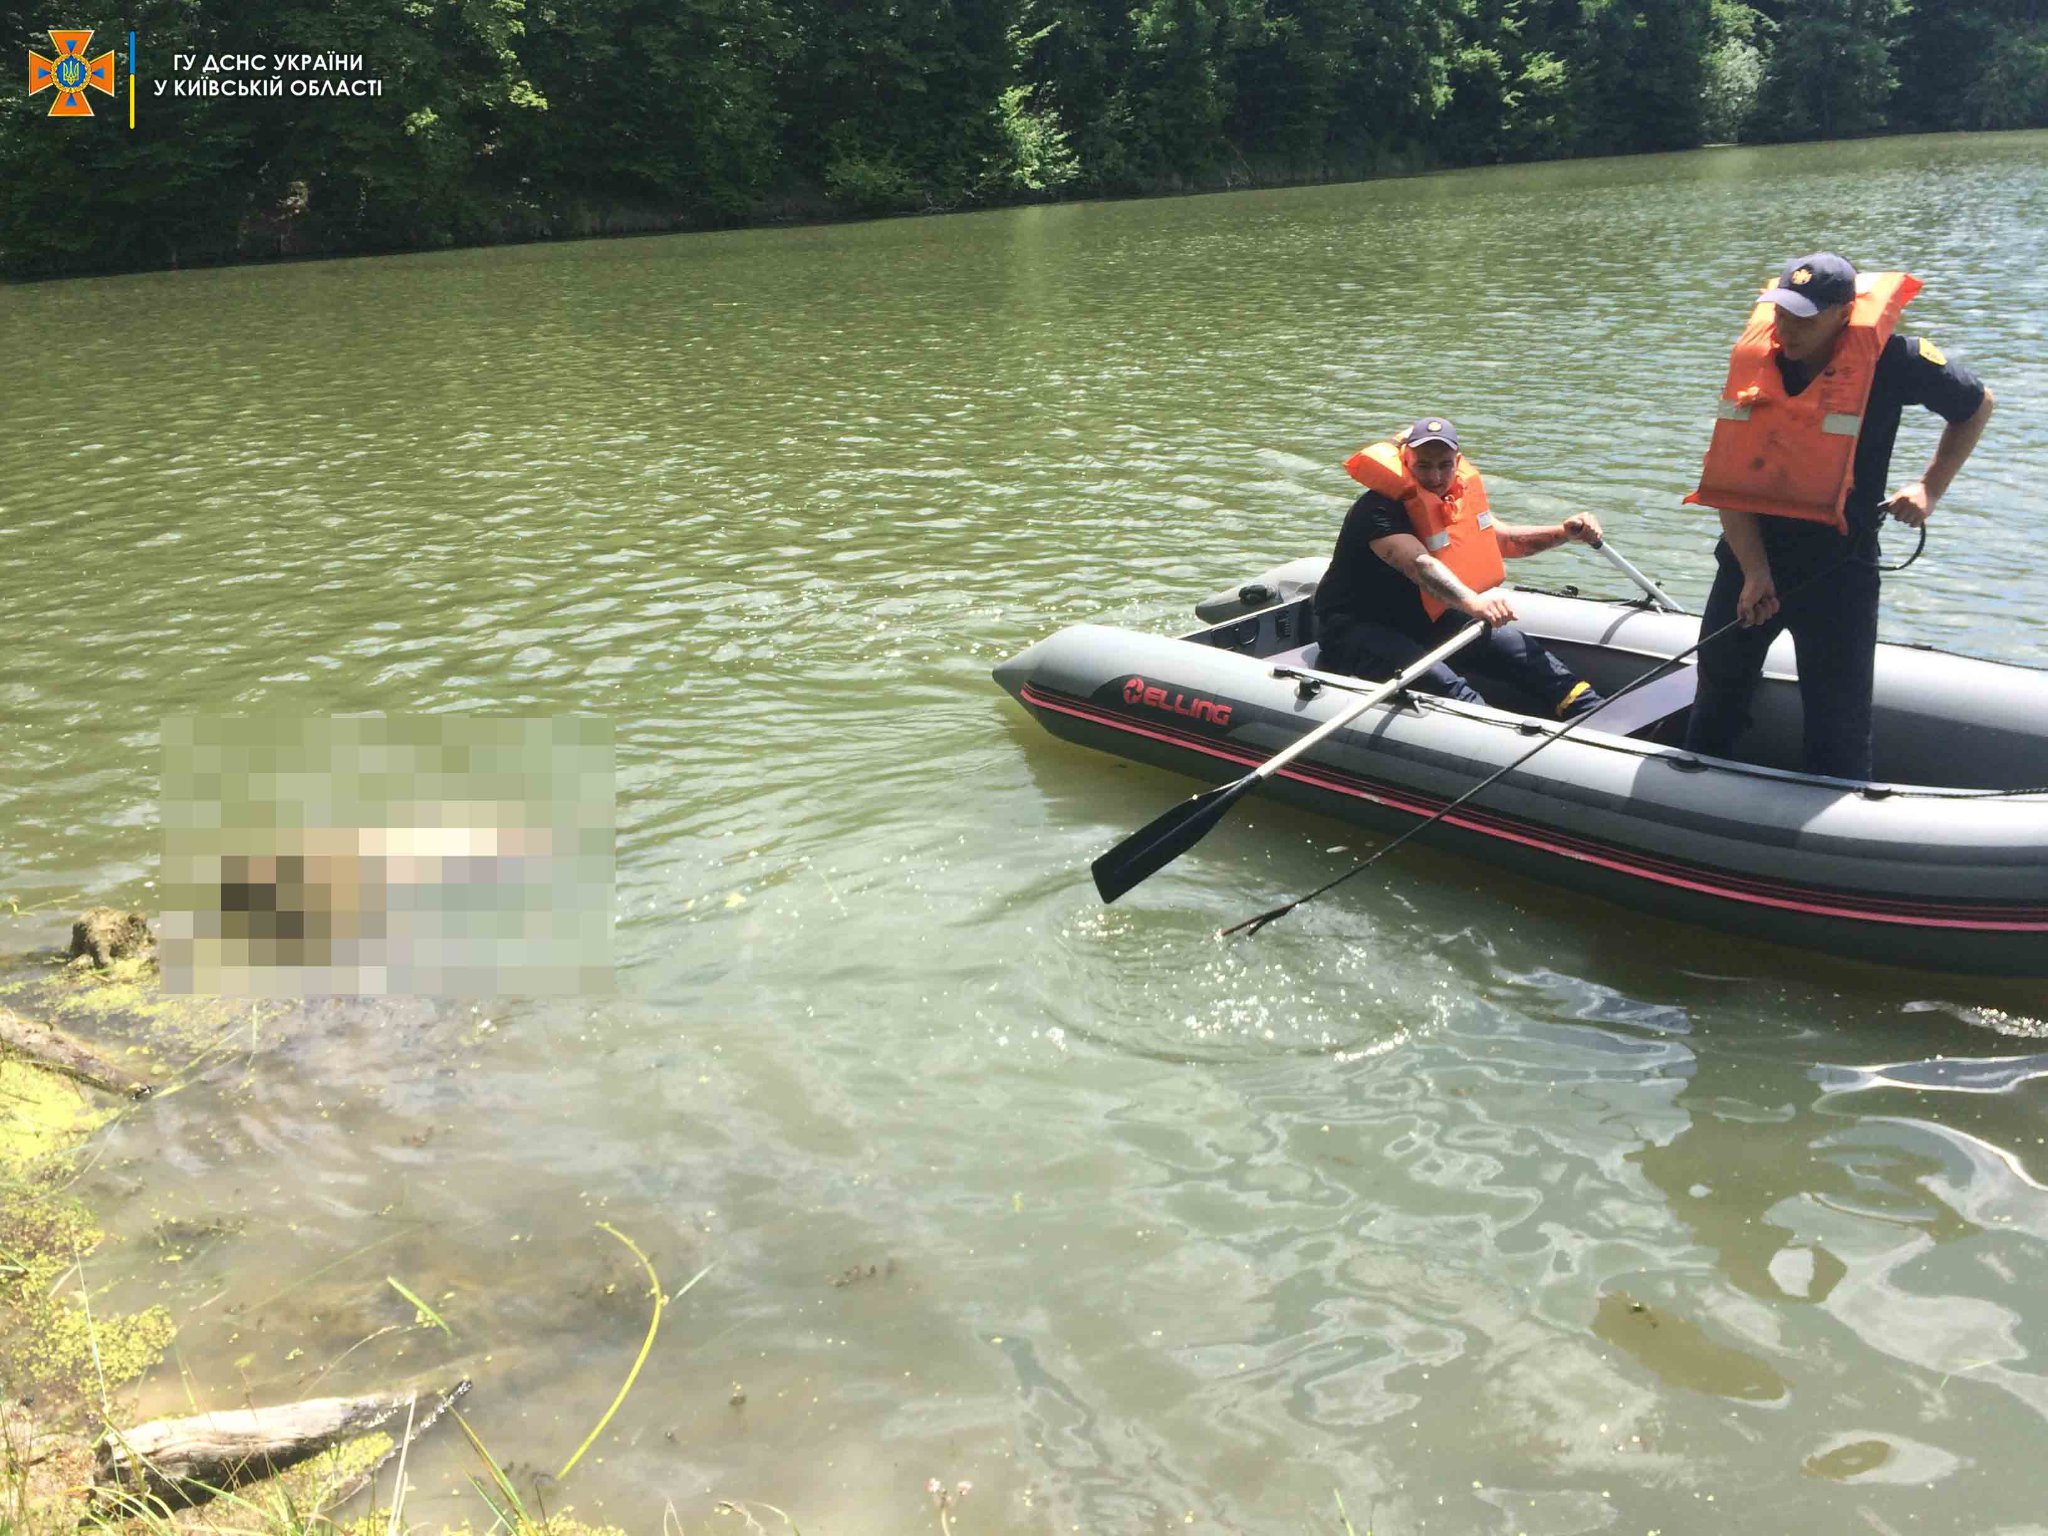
[1932, 353]
[1802, 277]
[71, 73]
[1433, 426]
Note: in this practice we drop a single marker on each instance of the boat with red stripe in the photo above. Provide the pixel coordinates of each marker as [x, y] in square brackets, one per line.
[1940, 864]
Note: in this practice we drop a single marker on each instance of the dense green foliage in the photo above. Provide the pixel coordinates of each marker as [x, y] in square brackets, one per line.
[513, 118]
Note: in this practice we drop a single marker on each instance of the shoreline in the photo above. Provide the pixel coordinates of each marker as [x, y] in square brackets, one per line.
[72, 1454]
[812, 208]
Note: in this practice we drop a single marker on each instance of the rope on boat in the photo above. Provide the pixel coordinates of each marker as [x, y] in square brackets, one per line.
[1917, 548]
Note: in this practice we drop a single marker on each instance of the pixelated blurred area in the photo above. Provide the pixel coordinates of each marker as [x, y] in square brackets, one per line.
[439, 855]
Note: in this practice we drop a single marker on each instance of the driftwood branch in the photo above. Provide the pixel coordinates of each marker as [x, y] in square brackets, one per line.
[56, 1050]
[176, 1463]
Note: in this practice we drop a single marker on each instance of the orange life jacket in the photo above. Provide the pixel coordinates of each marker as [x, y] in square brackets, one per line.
[1456, 527]
[1789, 455]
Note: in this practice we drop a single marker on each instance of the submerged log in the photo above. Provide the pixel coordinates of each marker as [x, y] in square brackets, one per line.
[56, 1050]
[177, 1463]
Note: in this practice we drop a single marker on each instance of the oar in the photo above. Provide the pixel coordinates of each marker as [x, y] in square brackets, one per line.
[1254, 924]
[1627, 568]
[1158, 843]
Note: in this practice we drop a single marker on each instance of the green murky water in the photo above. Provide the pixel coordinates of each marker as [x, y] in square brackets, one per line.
[1494, 1209]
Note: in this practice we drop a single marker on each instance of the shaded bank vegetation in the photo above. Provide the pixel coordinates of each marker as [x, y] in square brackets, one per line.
[508, 119]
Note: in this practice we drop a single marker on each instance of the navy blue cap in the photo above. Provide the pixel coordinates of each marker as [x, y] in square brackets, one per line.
[1431, 429]
[1813, 283]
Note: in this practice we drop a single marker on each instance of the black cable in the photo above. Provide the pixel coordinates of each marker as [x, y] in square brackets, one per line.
[1917, 548]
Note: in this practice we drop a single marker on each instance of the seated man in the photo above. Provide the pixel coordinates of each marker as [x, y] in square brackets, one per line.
[1419, 555]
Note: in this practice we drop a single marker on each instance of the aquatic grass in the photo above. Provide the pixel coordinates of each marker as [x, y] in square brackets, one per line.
[512, 1514]
[328, 1369]
[369, 1247]
[646, 1345]
[944, 1499]
[20, 1490]
[424, 1313]
[391, 1524]
[92, 1333]
[524, 1524]
[1345, 1515]
[738, 1507]
[16, 909]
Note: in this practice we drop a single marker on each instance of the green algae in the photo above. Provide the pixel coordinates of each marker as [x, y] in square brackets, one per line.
[57, 1350]
[127, 1011]
[41, 1114]
[55, 1344]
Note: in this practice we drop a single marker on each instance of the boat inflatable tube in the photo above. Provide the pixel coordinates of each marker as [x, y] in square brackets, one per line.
[1942, 865]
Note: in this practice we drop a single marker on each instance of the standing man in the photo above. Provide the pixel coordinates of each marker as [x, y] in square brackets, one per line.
[1420, 552]
[1797, 467]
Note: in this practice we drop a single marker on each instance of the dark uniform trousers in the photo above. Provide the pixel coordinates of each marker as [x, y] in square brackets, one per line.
[1833, 620]
[1365, 649]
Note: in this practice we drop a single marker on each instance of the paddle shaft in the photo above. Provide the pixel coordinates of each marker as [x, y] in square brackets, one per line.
[1393, 685]
[1254, 924]
[1169, 835]
[1627, 568]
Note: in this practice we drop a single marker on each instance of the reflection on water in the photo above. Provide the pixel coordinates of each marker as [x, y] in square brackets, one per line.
[1495, 1209]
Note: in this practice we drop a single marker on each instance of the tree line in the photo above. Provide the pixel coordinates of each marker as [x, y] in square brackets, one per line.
[510, 119]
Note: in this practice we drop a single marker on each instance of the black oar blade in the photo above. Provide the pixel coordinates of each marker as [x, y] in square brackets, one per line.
[1163, 839]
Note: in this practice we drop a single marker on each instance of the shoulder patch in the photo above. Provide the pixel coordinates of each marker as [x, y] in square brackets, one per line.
[1932, 353]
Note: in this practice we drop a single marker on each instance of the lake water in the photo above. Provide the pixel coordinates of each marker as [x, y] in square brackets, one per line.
[1491, 1208]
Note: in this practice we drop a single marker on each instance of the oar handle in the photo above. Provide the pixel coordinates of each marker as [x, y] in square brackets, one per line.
[1393, 685]
[1627, 568]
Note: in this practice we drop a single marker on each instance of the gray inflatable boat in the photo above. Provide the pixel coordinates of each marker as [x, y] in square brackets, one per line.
[1941, 865]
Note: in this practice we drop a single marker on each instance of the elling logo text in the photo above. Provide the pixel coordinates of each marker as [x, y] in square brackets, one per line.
[1140, 693]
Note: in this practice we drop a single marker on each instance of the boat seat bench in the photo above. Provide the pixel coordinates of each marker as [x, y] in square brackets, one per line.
[1649, 706]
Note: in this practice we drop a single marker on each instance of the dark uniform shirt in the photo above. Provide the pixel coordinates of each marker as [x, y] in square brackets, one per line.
[1909, 371]
[1359, 584]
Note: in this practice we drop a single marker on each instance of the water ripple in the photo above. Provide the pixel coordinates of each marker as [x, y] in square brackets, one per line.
[1496, 1208]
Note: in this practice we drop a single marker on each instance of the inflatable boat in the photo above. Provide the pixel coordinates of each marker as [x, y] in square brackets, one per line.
[1940, 864]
